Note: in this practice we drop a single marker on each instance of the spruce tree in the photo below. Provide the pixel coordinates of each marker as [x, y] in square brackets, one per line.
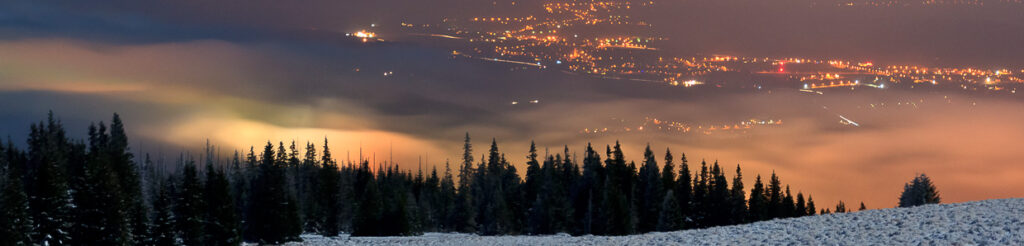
[533, 174]
[447, 200]
[464, 216]
[222, 225]
[241, 183]
[99, 214]
[775, 196]
[272, 213]
[494, 211]
[619, 194]
[293, 214]
[810, 206]
[163, 232]
[841, 207]
[738, 200]
[533, 186]
[721, 203]
[919, 191]
[513, 188]
[129, 182]
[591, 182]
[650, 191]
[47, 186]
[308, 186]
[427, 197]
[758, 202]
[329, 194]
[702, 205]
[367, 221]
[684, 192]
[801, 205]
[15, 220]
[788, 205]
[670, 216]
[668, 172]
[190, 207]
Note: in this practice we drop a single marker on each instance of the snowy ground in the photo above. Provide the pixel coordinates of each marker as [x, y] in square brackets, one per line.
[990, 222]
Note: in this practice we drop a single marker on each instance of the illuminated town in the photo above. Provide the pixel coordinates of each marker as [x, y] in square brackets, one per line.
[564, 36]
[559, 36]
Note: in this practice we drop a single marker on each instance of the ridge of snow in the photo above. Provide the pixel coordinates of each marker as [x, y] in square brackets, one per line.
[987, 222]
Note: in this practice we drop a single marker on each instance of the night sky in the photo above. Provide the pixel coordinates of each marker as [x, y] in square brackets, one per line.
[240, 73]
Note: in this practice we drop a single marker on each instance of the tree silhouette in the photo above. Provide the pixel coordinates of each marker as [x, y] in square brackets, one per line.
[919, 191]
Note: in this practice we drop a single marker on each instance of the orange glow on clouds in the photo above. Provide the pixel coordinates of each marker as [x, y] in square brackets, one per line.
[240, 134]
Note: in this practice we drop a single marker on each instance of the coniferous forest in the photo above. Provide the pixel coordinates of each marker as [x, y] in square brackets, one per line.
[64, 191]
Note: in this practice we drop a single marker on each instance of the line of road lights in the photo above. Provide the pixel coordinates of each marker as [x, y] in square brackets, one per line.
[855, 82]
[534, 101]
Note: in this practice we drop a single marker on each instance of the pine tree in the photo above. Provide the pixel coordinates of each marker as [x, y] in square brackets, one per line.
[426, 189]
[329, 194]
[396, 216]
[494, 211]
[129, 182]
[346, 194]
[241, 183]
[701, 200]
[801, 205]
[919, 191]
[448, 198]
[840, 207]
[619, 194]
[738, 199]
[47, 186]
[513, 188]
[464, 216]
[758, 202]
[684, 192]
[775, 196]
[650, 191]
[721, 203]
[370, 206]
[99, 215]
[190, 207]
[15, 220]
[788, 205]
[272, 211]
[862, 207]
[670, 216]
[293, 214]
[163, 232]
[591, 181]
[533, 174]
[668, 172]
[308, 185]
[222, 225]
[533, 187]
[810, 205]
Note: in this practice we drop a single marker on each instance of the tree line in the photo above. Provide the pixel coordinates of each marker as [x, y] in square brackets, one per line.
[62, 191]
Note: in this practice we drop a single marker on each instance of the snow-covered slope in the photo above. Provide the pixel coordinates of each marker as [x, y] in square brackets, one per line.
[989, 222]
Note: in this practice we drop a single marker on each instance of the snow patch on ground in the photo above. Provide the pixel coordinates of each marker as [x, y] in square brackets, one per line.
[989, 222]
